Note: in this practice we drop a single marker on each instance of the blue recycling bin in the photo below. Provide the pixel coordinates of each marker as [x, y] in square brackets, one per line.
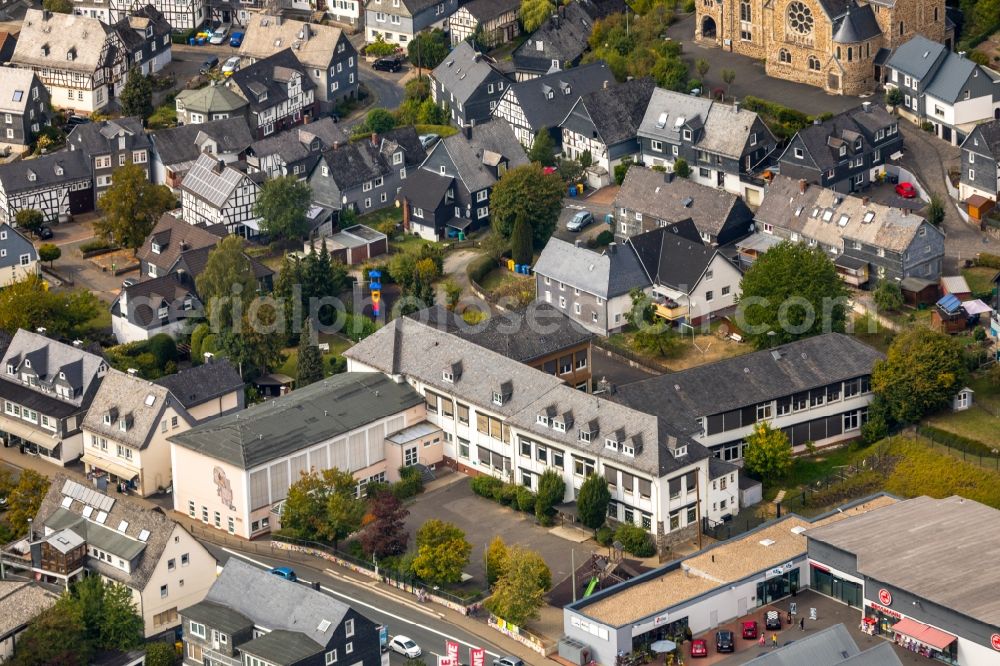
[190, 41]
[201, 41]
[572, 190]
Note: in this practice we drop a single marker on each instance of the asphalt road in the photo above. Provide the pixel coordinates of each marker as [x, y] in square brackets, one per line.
[422, 623]
[573, 206]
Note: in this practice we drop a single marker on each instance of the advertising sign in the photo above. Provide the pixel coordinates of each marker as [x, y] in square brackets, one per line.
[995, 641]
[446, 661]
[885, 597]
[451, 647]
[477, 656]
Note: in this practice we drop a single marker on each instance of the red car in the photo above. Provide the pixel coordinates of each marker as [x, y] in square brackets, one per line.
[699, 648]
[750, 630]
[906, 190]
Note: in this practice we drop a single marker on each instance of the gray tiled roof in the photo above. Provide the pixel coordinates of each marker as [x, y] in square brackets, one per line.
[211, 99]
[138, 518]
[658, 195]
[511, 332]
[49, 358]
[562, 37]
[540, 111]
[271, 74]
[273, 602]
[62, 33]
[281, 647]
[928, 547]
[419, 351]
[670, 259]
[44, 171]
[293, 422]
[124, 396]
[617, 111]
[101, 137]
[990, 133]
[174, 237]
[607, 274]
[218, 616]
[20, 603]
[816, 138]
[487, 10]
[467, 154]
[727, 130]
[425, 189]
[736, 382]
[177, 145]
[12, 81]
[827, 647]
[463, 71]
[196, 385]
[144, 299]
[668, 111]
[949, 80]
[917, 56]
[857, 25]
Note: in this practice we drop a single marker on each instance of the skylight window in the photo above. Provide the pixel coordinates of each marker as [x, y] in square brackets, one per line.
[122, 526]
[67, 502]
[102, 517]
[827, 215]
[18, 95]
[150, 399]
[844, 219]
[144, 536]
[869, 216]
[87, 511]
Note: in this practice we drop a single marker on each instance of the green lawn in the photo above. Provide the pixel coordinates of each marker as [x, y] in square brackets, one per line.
[338, 346]
[409, 244]
[974, 423]
[980, 279]
[909, 317]
[806, 470]
[500, 277]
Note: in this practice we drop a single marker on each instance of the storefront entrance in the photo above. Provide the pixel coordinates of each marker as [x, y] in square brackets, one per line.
[675, 631]
[911, 635]
[778, 587]
[844, 591]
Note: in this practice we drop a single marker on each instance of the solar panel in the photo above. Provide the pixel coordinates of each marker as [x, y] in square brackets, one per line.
[83, 494]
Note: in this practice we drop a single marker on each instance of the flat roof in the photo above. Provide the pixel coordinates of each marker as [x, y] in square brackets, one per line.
[936, 549]
[715, 567]
[413, 432]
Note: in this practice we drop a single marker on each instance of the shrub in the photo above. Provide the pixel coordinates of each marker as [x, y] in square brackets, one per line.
[635, 540]
[954, 441]
[508, 495]
[988, 260]
[894, 97]
[410, 483]
[486, 486]
[94, 245]
[163, 347]
[525, 499]
[688, 6]
[604, 238]
[354, 549]
[479, 267]
[605, 535]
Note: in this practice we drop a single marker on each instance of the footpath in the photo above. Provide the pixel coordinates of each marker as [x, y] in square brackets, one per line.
[476, 626]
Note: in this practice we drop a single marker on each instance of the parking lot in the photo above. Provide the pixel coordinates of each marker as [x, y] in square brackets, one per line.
[885, 193]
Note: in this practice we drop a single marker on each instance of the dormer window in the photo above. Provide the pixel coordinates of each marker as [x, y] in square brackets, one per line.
[680, 451]
[497, 398]
[155, 247]
[584, 435]
[687, 135]
[11, 370]
[447, 376]
[123, 425]
[162, 312]
[857, 145]
[397, 157]
[107, 419]
[31, 176]
[542, 419]
[27, 363]
[843, 150]
[628, 450]
[70, 55]
[62, 375]
[610, 443]
[45, 49]
[559, 425]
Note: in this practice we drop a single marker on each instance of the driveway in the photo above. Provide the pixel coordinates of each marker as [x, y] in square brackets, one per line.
[483, 519]
[750, 77]
[572, 206]
[885, 194]
[83, 272]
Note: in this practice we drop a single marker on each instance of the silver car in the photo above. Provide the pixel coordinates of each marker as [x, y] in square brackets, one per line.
[580, 220]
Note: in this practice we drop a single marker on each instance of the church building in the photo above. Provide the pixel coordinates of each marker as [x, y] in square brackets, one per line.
[838, 45]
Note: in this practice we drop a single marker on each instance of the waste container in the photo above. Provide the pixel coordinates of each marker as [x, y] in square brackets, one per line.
[191, 41]
[572, 190]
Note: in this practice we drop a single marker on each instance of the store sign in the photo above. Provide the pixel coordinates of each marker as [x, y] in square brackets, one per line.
[887, 611]
[777, 571]
[995, 642]
[885, 597]
[660, 619]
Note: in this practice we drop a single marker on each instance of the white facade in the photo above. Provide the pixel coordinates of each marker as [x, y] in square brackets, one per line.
[962, 115]
[718, 289]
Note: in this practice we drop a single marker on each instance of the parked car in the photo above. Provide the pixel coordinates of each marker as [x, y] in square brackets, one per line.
[772, 621]
[230, 66]
[750, 630]
[508, 661]
[699, 648]
[428, 140]
[582, 219]
[236, 40]
[405, 646]
[906, 190]
[388, 64]
[75, 120]
[128, 282]
[219, 35]
[210, 63]
[724, 641]
[285, 573]
[44, 232]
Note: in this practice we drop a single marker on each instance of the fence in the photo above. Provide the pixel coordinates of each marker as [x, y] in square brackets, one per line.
[984, 460]
[630, 357]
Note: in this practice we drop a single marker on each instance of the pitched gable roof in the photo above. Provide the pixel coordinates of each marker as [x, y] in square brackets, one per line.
[823, 141]
[426, 189]
[212, 182]
[15, 89]
[47, 38]
[54, 169]
[211, 99]
[917, 56]
[607, 274]
[950, 79]
[617, 111]
[562, 37]
[464, 71]
[15, 245]
[264, 84]
[201, 383]
[55, 364]
[542, 109]
[671, 259]
[138, 401]
[467, 154]
[990, 133]
[174, 236]
[314, 45]
[487, 10]
[176, 145]
[143, 300]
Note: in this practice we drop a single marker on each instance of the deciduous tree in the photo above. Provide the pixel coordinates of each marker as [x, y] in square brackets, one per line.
[159, 653]
[497, 558]
[543, 148]
[428, 48]
[790, 292]
[935, 211]
[922, 372]
[533, 13]
[768, 454]
[58, 6]
[442, 552]
[28, 304]
[282, 205]
[56, 636]
[136, 98]
[323, 506]
[24, 500]
[29, 219]
[227, 284]
[385, 535]
[888, 296]
[379, 120]
[551, 489]
[520, 592]
[527, 191]
[592, 501]
[131, 206]
[681, 168]
[49, 252]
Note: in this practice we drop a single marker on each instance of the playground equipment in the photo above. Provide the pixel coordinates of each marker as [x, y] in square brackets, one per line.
[606, 570]
[375, 284]
[591, 586]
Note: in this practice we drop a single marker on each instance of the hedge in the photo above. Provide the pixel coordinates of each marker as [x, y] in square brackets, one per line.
[988, 260]
[635, 540]
[954, 441]
[95, 245]
[184, 36]
[509, 494]
[479, 267]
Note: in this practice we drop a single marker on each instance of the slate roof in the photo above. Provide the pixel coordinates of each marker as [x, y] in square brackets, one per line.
[143, 300]
[464, 71]
[613, 272]
[211, 99]
[62, 33]
[174, 237]
[297, 143]
[12, 81]
[201, 383]
[727, 131]
[466, 155]
[273, 602]
[195, 261]
[425, 189]
[990, 132]
[281, 647]
[129, 397]
[917, 56]
[891, 228]
[563, 37]
[139, 519]
[17, 176]
[858, 24]
[314, 44]
[816, 138]
[729, 384]
[20, 603]
[949, 80]
[218, 616]
[832, 646]
[354, 163]
[487, 10]
[299, 419]
[177, 145]
[670, 259]
[540, 111]
[270, 74]
[518, 335]
[668, 112]
[205, 181]
[101, 137]
[48, 358]
[617, 111]
[15, 245]
[927, 547]
[657, 195]
[8, 42]
[836, 8]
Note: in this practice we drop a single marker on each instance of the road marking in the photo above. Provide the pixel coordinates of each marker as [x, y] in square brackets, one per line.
[352, 600]
[372, 585]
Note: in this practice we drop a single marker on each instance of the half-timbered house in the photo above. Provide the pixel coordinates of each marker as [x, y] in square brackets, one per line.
[79, 59]
[55, 184]
[146, 35]
[176, 149]
[280, 93]
[213, 192]
[182, 15]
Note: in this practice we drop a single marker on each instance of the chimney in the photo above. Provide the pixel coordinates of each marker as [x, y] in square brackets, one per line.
[46, 14]
[41, 330]
[867, 106]
[208, 357]
[961, 54]
[375, 139]
[578, 242]
[467, 131]
[612, 247]
[736, 105]
[865, 201]
[78, 343]
[605, 84]
[336, 144]
[183, 244]
[220, 165]
[803, 184]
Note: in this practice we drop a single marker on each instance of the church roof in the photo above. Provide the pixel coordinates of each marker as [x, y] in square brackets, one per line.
[858, 24]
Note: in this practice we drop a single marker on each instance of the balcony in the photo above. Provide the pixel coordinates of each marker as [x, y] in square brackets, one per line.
[219, 658]
[668, 308]
[851, 270]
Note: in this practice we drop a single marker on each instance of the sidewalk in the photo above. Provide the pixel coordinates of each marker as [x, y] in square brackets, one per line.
[478, 627]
